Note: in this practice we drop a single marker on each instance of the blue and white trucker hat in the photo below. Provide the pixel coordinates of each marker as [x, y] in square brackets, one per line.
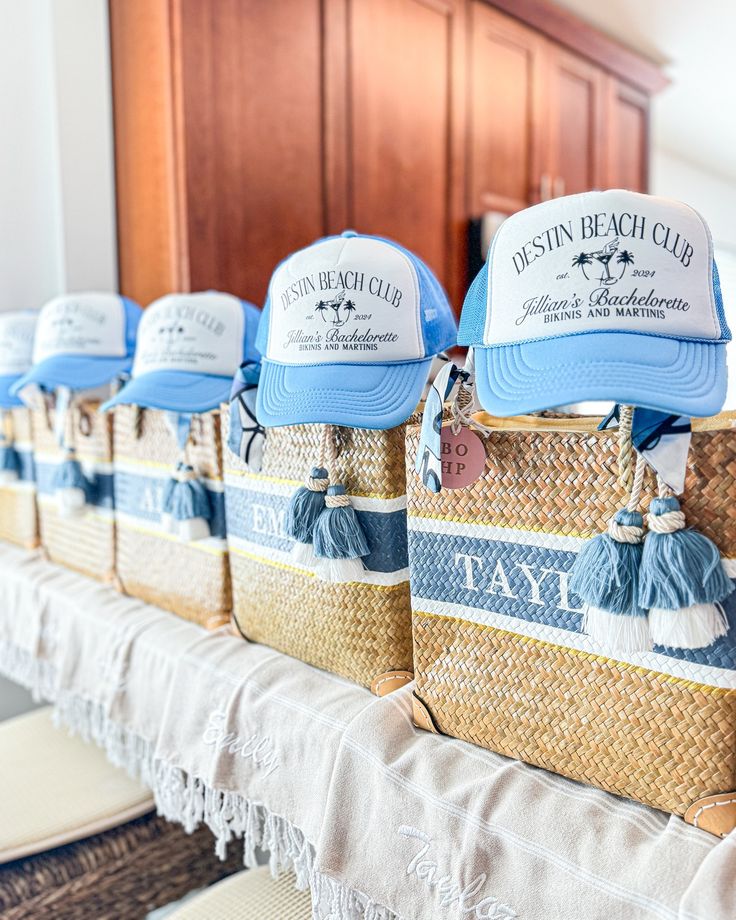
[82, 341]
[189, 347]
[16, 352]
[601, 296]
[350, 327]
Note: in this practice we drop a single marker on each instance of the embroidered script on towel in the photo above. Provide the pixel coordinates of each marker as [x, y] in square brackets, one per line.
[255, 747]
[469, 899]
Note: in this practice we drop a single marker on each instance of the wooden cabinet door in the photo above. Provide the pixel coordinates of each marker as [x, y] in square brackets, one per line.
[392, 145]
[627, 128]
[576, 93]
[505, 111]
[252, 137]
[218, 120]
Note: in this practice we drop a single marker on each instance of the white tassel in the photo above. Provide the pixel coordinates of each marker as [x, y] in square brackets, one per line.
[340, 571]
[71, 503]
[192, 529]
[622, 633]
[303, 554]
[168, 524]
[696, 626]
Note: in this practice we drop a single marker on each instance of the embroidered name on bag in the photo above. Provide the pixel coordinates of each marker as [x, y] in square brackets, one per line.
[642, 265]
[469, 900]
[538, 585]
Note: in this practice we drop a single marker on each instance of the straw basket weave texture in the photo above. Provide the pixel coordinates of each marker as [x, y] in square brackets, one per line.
[499, 656]
[122, 874]
[359, 630]
[18, 521]
[191, 579]
[85, 543]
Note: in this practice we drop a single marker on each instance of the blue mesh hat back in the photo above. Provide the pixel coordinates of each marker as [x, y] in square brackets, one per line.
[439, 329]
[261, 341]
[252, 324]
[473, 316]
[718, 297]
[133, 314]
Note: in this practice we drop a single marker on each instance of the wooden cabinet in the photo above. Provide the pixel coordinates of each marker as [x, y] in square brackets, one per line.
[576, 127]
[506, 112]
[218, 140]
[627, 127]
[546, 121]
[245, 129]
[397, 93]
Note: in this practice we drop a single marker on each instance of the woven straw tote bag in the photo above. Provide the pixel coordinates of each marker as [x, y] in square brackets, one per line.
[18, 520]
[360, 630]
[499, 656]
[189, 577]
[86, 541]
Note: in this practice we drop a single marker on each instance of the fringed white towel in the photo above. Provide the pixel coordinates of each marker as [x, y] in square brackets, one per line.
[381, 820]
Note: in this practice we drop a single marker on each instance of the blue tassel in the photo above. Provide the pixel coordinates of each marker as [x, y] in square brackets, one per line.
[9, 464]
[682, 581]
[605, 576]
[186, 506]
[70, 486]
[339, 541]
[306, 505]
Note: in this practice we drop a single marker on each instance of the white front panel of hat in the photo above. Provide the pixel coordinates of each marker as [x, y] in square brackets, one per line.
[614, 261]
[81, 324]
[345, 300]
[16, 342]
[193, 333]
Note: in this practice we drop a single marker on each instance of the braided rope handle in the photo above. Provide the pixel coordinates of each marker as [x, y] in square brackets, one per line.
[330, 449]
[625, 447]
[138, 412]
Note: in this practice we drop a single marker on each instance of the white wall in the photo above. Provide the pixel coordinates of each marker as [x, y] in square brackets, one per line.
[57, 219]
[713, 196]
[57, 215]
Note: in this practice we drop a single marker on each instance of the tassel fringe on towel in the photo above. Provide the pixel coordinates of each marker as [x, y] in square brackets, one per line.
[186, 799]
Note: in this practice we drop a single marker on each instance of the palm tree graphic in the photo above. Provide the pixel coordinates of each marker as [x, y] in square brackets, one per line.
[624, 258]
[581, 261]
[337, 304]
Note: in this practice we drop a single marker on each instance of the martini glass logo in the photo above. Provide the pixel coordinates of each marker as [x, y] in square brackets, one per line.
[337, 311]
[604, 257]
[172, 333]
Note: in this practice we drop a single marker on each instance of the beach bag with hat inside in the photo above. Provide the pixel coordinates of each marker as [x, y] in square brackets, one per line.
[315, 486]
[169, 502]
[572, 585]
[83, 344]
[18, 521]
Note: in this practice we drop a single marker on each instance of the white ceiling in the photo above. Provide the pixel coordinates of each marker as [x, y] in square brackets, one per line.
[695, 117]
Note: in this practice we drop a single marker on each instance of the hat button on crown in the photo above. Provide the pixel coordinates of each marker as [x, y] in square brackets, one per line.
[349, 233]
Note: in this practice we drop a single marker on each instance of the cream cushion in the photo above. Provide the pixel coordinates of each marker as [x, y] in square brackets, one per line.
[55, 789]
[250, 895]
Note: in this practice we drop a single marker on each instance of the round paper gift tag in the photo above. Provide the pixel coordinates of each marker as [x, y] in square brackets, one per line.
[463, 457]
